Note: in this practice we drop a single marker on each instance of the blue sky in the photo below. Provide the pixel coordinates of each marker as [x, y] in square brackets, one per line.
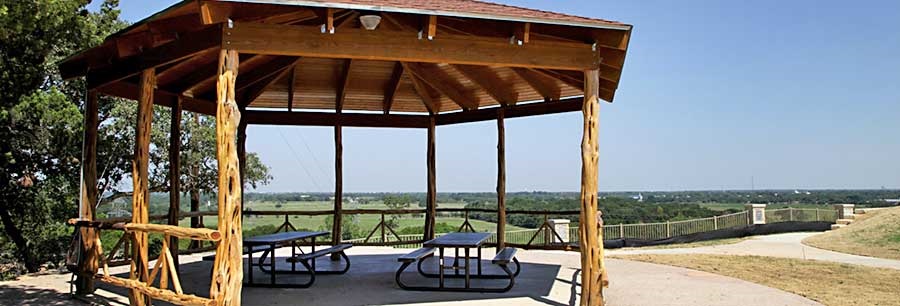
[795, 94]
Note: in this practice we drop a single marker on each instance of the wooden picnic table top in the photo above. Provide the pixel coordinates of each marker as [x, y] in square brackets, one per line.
[282, 237]
[459, 240]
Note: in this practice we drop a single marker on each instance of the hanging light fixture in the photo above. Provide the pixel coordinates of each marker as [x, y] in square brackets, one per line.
[370, 22]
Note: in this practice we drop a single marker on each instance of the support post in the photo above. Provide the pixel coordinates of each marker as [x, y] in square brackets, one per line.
[228, 271]
[197, 221]
[501, 179]
[141, 197]
[90, 262]
[431, 197]
[338, 182]
[242, 152]
[592, 270]
[175, 176]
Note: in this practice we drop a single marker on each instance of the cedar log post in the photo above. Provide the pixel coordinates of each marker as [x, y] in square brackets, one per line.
[228, 270]
[141, 197]
[196, 221]
[337, 220]
[175, 176]
[242, 152]
[431, 196]
[90, 262]
[501, 179]
[591, 250]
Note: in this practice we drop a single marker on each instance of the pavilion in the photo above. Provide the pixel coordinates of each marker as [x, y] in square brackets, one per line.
[355, 63]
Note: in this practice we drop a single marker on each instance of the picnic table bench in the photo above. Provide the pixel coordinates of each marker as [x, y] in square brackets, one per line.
[267, 244]
[458, 241]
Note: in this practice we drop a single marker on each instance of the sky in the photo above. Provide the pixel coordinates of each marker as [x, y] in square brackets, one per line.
[767, 94]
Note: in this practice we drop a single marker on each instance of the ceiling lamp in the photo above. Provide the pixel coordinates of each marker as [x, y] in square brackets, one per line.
[370, 22]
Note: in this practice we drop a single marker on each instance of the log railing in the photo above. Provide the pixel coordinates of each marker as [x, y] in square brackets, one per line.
[164, 269]
[544, 236]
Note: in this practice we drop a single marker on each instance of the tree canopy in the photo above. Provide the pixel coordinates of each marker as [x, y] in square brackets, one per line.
[41, 125]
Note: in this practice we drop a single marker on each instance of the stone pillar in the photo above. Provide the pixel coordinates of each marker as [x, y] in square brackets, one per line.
[561, 226]
[844, 211]
[757, 213]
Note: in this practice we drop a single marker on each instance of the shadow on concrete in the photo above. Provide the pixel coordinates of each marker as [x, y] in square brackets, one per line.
[370, 281]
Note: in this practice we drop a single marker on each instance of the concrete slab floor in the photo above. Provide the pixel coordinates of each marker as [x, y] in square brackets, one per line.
[547, 278]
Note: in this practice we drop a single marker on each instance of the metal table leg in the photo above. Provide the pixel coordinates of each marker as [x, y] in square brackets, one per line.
[272, 246]
[441, 267]
[479, 260]
[467, 268]
[250, 263]
[293, 255]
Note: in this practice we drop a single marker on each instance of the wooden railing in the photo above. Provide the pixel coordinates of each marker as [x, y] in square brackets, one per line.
[164, 269]
[543, 237]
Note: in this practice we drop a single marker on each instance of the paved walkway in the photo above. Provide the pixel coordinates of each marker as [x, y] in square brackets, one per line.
[781, 245]
[547, 279]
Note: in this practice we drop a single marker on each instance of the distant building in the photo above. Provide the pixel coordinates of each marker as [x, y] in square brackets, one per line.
[118, 213]
[892, 201]
[639, 197]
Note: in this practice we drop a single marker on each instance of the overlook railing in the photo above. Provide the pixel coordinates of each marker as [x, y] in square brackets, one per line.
[545, 236]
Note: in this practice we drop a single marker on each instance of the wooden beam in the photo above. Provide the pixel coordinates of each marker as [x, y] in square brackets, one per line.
[175, 175]
[399, 46]
[487, 79]
[187, 45]
[330, 119]
[523, 33]
[438, 79]
[501, 180]
[521, 110]
[431, 194]
[430, 27]
[606, 90]
[131, 91]
[346, 19]
[291, 80]
[328, 20]
[390, 92]
[249, 94]
[544, 85]
[89, 193]
[227, 275]
[590, 237]
[140, 201]
[427, 94]
[341, 93]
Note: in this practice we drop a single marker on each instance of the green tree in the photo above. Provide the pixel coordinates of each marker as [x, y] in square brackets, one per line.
[41, 129]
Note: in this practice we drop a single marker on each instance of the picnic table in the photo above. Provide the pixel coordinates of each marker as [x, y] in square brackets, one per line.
[269, 243]
[457, 241]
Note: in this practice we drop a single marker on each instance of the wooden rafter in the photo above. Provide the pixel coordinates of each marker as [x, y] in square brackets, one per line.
[425, 92]
[183, 69]
[521, 110]
[291, 80]
[430, 26]
[488, 80]
[438, 79]
[203, 82]
[399, 46]
[301, 118]
[544, 85]
[184, 47]
[251, 92]
[390, 92]
[128, 90]
[341, 93]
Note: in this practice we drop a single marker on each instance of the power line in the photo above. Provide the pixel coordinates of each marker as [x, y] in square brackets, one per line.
[294, 154]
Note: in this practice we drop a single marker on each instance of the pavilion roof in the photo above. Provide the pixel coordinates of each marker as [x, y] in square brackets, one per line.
[287, 81]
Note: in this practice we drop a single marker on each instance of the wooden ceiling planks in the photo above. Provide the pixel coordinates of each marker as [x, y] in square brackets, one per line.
[524, 61]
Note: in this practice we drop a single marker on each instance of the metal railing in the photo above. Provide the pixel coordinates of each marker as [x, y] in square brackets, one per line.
[543, 237]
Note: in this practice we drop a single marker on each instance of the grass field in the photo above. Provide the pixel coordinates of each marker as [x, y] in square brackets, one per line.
[825, 282]
[875, 234]
[365, 222]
